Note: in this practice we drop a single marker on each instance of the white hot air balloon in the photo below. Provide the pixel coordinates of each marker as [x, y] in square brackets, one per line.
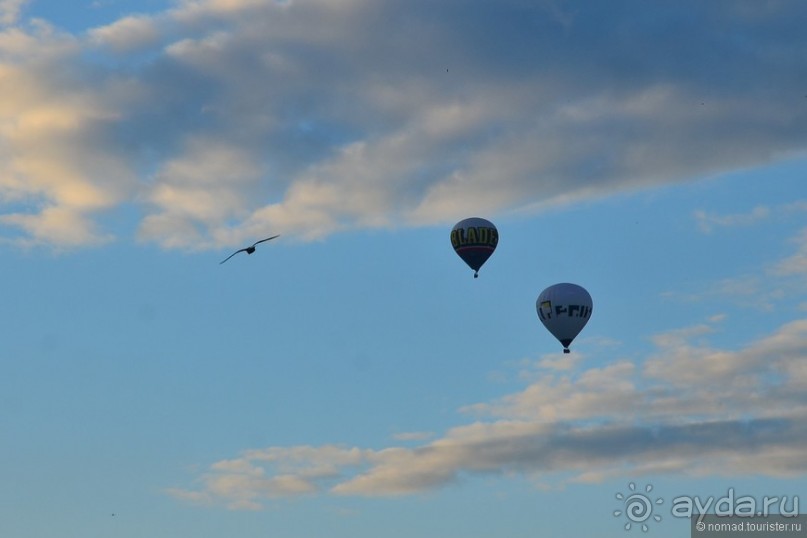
[564, 309]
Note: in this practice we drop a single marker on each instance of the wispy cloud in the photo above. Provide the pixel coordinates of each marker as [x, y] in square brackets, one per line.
[710, 221]
[775, 282]
[10, 11]
[59, 163]
[413, 436]
[688, 408]
[130, 33]
[797, 263]
[707, 222]
[218, 119]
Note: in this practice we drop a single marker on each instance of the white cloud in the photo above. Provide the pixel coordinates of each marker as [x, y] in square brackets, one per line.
[57, 165]
[709, 221]
[361, 114]
[688, 409]
[765, 289]
[413, 436]
[573, 396]
[127, 34]
[10, 11]
[57, 226]
[203, 187]
[795, 264]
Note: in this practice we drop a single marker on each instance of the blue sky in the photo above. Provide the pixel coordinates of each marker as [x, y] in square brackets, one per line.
[352, 378]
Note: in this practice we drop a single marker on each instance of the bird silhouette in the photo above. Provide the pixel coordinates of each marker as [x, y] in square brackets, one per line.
[249, 250]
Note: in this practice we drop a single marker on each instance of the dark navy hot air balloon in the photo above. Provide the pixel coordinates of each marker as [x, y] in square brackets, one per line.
[474, 240]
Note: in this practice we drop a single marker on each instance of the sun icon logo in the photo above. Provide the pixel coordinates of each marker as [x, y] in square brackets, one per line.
[638, 507]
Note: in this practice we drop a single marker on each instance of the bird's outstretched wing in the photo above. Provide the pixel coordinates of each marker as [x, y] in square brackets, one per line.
[231, 255]
[264, 240]
[249, 250]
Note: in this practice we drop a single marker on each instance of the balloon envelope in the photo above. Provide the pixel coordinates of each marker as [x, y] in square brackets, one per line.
[474, 240]
[564, 309]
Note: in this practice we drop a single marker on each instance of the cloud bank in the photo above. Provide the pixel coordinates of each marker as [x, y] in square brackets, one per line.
[221, 120]
[688, 409]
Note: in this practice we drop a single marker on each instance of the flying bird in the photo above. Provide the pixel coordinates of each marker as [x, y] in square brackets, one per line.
[249, 250]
